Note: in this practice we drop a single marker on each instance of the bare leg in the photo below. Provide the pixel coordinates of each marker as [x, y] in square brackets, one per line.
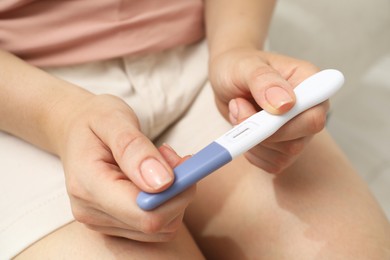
[75, 241]
[317, 209]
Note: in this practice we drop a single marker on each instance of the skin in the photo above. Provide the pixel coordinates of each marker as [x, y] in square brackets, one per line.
[246, 79]
[117, 163]
[72, 123]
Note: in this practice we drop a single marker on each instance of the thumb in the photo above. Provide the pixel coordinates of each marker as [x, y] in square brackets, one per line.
[269, 89]
[136, 156]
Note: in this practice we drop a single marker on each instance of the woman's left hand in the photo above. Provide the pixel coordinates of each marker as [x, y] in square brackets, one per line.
[246, 80]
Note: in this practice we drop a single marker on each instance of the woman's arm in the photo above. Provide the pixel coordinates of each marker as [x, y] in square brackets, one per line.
[245, 79]
[106, 158]
[29, 98]
[237, 24]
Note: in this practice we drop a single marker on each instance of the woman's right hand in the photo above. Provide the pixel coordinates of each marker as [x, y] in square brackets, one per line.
[107, 162]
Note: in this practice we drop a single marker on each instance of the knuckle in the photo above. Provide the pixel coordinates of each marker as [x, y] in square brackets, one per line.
[274, 169]
[151, 224]
[174, 225]
[308, 66]
[317, 122]
[82, 215]
[270, 168]
[92, 227]
[253, 159]
[126, 139]
[279, 163]
[304, 67]
[261, 72]
[295, 147]
[75, 190]
[282, 161]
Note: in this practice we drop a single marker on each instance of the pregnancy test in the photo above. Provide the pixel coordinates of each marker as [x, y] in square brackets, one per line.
[255, 129]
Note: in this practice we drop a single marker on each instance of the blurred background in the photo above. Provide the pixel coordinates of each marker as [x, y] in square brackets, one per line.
[354, 37]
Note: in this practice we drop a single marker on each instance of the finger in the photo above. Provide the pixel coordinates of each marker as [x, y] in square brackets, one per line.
[268, 159]
[265, 159]
[170, 155]
[96, 218]
[270, 90]
[293, 70]
[115, 195]
[308, 123]
[239, 110]
[133, 234]
[289, 148]
[117, 198]
[92, 216]
[135, 154]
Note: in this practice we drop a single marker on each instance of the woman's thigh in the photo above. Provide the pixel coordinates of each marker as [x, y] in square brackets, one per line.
[75, 241]
[317, 209]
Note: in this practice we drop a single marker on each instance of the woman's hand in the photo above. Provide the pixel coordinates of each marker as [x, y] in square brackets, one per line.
[107, 162]
[246, 80]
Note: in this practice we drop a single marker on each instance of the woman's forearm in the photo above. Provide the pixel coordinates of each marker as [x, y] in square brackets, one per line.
[237, 23]
[33, 103]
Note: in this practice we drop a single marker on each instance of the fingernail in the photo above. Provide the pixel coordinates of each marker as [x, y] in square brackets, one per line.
[233, 111]
[154, 174]
[278, 97]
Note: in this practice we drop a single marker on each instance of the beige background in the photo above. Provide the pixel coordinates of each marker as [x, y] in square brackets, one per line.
[354, 37]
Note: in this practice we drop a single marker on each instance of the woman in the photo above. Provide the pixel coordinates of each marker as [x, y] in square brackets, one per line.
[100, 85]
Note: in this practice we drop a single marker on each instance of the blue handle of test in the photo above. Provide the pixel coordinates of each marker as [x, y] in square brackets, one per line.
[207, 160]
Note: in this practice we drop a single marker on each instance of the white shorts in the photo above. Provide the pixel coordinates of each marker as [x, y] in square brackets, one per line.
[173, 100]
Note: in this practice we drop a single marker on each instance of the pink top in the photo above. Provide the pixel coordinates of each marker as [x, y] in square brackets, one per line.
[55, 33]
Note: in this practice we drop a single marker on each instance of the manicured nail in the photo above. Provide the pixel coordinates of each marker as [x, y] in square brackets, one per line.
[278, 97]
[233, 111]
[154, 174]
